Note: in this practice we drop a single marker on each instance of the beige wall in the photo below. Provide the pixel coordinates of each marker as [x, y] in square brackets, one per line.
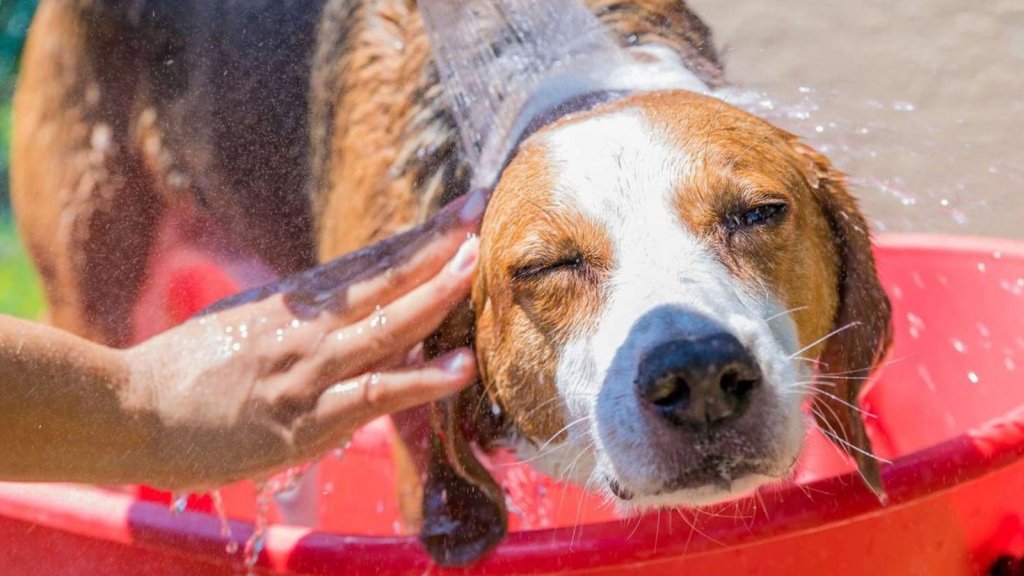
[921, 100]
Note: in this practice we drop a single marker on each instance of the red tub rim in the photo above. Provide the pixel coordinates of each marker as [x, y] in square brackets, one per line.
[120, 518]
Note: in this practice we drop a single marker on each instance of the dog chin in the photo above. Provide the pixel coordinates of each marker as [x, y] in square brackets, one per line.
[632, 504]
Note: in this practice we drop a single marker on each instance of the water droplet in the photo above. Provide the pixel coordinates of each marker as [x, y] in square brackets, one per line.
[254, 545]
[959, 346]
[926, 376]
[236, 347]
[981, 267]
[983, 330]
[295, 323]
[179, 502]
[972, 377]
[632, 39]
[228, 330]
[1010, 365]
[379, 319]
[495, 409]
[917, 325]
[225, 528]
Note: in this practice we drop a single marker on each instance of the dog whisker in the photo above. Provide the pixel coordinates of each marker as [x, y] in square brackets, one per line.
[825, 337]
[834, 435]
[540, 451]
[693, 525]
[543, 404]
[831, 377]
[810, 384]
[785, 313]
[849, 405]
[579, 507]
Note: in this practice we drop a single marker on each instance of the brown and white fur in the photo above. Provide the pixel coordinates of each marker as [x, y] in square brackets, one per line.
[613, 231]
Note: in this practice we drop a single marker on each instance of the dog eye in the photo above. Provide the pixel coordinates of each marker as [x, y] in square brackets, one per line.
[542, 269]
[757, 216]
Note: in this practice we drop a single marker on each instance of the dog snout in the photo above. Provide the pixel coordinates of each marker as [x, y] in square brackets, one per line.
[698, 383]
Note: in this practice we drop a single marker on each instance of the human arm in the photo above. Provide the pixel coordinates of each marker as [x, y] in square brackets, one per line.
[186, 409]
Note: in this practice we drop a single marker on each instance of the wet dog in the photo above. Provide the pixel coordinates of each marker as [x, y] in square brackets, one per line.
[659, 270]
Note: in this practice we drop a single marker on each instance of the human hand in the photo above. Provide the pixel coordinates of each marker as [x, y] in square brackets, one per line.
[278, 375]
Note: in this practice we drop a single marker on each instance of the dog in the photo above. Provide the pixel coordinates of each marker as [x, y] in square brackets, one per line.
[660, 271]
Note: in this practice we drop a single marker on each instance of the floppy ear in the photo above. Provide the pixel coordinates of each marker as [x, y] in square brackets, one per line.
[862, 321]
[464, 513]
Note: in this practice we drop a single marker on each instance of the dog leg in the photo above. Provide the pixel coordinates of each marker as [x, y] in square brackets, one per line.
[74, 170]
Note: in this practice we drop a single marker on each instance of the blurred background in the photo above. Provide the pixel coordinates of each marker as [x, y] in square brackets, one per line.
[19, 291]
[920, 101]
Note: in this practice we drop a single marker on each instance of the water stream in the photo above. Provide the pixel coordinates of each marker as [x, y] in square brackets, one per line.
[494, 55]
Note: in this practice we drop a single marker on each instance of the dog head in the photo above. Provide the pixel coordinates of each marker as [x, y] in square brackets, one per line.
[658, 277]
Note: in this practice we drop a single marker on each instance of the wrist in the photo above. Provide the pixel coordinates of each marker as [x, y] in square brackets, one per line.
[142, 403]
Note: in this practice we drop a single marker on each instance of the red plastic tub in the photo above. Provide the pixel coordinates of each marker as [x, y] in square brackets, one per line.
[950, 416]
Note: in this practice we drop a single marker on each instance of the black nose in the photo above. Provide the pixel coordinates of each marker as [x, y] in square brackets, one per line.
[698, 382]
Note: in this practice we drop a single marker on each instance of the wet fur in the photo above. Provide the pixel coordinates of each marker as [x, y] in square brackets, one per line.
[303, 129]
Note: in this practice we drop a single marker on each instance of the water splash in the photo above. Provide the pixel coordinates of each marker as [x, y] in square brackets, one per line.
[225, 527]
[339, 452]
[504, 64]
[277, 485]
[862, 137]
[179, 502]
[495, 59]
[258, 539]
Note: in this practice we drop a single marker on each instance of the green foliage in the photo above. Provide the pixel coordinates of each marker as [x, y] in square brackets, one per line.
[15, 16]
[19, 288]
[20, 294]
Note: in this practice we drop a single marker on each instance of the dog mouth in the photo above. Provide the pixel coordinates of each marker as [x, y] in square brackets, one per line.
[716, 473]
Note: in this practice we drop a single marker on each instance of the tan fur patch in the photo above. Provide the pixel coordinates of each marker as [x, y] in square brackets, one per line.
[524, 313]
[741, 162]
[374, 109]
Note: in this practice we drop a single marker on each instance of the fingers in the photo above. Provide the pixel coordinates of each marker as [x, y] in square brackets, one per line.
[351, 287]
[404, 273]
[350, 404]
[402, 324]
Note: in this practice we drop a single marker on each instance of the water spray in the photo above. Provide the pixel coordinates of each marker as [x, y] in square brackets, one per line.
[504, 62]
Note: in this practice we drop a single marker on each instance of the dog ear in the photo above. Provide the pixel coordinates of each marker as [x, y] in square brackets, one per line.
[464, 514]
[862, 322]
